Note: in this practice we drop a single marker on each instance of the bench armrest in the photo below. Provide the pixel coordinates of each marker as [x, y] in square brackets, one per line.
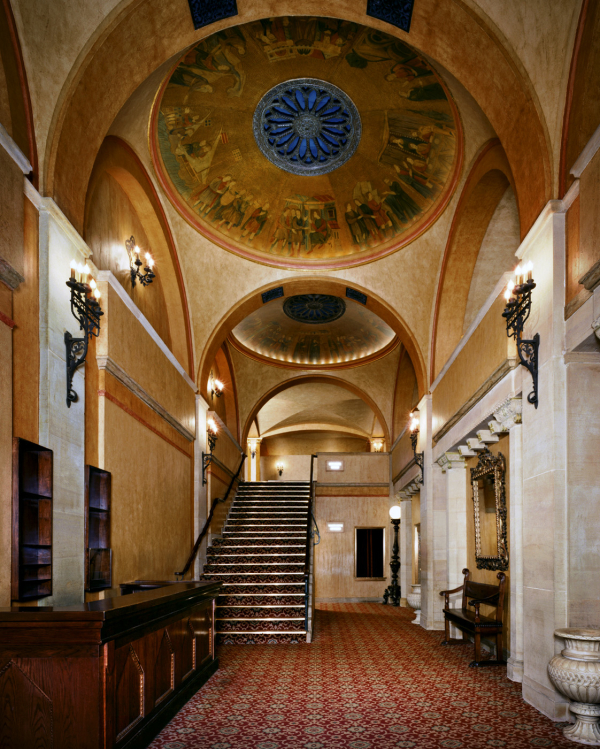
[448, 592]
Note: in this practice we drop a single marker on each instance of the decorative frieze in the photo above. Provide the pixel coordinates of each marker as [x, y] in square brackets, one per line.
[508, 414]
[473, 443]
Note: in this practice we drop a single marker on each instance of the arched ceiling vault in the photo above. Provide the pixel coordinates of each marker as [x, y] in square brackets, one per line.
[358, 407]
[445, 30]
[305, 285]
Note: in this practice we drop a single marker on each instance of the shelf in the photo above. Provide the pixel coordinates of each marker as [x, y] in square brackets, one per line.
[32, 514]
[98, 554]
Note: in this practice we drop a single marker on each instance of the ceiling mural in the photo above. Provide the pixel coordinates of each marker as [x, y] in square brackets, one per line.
[306, 142]
[314, 330]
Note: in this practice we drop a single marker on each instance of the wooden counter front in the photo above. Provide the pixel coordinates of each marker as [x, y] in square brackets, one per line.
[105, 674]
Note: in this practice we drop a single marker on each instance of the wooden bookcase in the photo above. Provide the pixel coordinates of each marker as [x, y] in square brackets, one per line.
[32, 521]
[98, 554]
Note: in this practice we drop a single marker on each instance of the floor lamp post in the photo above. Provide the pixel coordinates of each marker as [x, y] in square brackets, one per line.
[393, 591]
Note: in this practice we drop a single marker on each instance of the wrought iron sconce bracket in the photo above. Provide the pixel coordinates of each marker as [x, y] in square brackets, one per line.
[87, 312]
[516, 313]
[414, 435]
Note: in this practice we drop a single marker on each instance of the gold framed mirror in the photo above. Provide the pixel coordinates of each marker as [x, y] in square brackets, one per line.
[489, 508]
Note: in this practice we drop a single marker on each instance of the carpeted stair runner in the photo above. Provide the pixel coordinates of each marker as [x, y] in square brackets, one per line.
[260, 559]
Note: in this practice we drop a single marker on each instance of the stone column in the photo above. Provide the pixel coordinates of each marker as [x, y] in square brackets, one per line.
[454, 469]
[433, 526]
[200, 493]
[406, 547]
[545, 507]
[62, 429]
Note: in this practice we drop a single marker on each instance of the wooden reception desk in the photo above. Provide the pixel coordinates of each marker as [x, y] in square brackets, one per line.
[106, 674]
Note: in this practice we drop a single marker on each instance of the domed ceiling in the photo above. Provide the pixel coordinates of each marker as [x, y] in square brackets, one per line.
[313, 330]
[306, 142]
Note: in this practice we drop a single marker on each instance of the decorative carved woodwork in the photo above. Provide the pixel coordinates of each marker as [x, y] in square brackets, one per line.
[32, 521]
[105, 674]
[472, 622]
[489, 474]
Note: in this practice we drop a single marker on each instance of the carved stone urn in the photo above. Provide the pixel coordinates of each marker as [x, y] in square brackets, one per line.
[414, 601]
[576, 675]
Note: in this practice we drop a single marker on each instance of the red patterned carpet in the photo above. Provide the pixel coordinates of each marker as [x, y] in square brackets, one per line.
[369, 680]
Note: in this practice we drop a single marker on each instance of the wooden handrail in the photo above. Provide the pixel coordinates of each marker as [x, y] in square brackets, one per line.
[202, 533]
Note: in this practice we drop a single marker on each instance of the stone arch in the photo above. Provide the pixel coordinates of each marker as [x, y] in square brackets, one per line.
[447, 31]
[310, 285]
[118, 160]
[488, 179]
[311, 378]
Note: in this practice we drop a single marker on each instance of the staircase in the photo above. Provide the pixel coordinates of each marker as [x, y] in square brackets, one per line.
[261, 561]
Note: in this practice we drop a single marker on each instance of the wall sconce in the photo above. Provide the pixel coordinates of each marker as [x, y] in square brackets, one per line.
[377, 445]
[85, 308]
[280, 466]
[516, 312]
[207, 458]
[216, 387]
[135, 264]
[414, 435]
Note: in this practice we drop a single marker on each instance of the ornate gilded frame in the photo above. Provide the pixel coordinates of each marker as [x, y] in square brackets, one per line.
[495, 465]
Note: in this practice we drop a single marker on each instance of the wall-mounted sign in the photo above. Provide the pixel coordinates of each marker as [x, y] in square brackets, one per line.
[335, 465]
[335, 527]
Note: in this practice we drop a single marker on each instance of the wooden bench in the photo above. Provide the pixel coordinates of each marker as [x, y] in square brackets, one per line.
[470, 621]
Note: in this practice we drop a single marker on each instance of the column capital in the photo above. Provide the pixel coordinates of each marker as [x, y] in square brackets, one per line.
[450, 460]
[507, 414]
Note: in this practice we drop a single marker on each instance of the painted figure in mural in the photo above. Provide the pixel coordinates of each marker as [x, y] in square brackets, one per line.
[428, 92]
[199, 157]
[297, 232]
[319, 233]
[301, 349]
[314, 350]
[284, 38]
[206, 196]
[382, 218]
[225, 197]
[360, 233]
[368, 218]
[229, 214]
[401, 204]
[254, 224]
[282, 233]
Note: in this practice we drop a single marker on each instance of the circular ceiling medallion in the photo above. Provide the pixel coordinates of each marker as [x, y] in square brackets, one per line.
[314, 309]
[307, 126]
[252, 135]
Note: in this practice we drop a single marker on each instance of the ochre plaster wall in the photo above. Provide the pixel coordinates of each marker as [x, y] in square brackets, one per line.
[26, 335]
[485, 353]
[111, 219]
[402, 455]
[406, 394]
[151, 523]
[129, 346]
[295, 468]
[220, 474]
[334, 555]
[583, 108]
[589, 217]
[309, 443]
[367, 468]
[489, 576]
[151, 462]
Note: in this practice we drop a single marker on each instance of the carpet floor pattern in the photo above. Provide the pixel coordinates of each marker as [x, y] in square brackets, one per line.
[369, 680]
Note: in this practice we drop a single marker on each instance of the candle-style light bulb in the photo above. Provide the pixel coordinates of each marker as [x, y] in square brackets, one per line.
[97, 294]
[529, 270]
[507, 295]
[92, 284]
[73, 265]
[136, 249]
[87, 270]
